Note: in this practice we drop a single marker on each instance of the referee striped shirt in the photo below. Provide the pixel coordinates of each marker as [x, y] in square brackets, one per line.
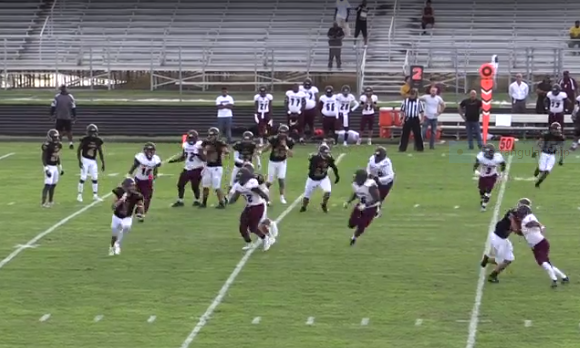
[412, 108]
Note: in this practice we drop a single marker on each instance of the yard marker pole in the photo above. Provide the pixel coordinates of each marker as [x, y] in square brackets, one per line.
[486, 74]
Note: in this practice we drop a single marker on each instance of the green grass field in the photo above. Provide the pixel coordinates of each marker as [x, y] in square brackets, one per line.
[410, 282]
[140, 97]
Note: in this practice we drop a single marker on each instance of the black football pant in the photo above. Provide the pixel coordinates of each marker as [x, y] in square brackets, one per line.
[411, 125]
[334, 53]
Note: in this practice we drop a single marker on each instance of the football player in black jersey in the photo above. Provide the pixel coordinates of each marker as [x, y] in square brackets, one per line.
[52, 167]
[126, 201]
[245, 151]
[551, 143]
[213, 151]
[90, 146]
[281, 146]
[318, 176]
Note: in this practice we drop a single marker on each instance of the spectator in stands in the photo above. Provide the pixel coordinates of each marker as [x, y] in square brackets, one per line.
[518, 92]
[335, 36]
[574, 36]
[542, 90]
[433, 84]
[406, 88]
[470, 110]
[434, 106]
[428, 17]
[225, 104]
[341, 13]
[361, 22]
[569, 85]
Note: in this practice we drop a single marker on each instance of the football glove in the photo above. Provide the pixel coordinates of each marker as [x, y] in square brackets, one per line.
[561, 162]
[361, 206]
[476, 172]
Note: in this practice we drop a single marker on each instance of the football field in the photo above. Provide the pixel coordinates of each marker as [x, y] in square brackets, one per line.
[412, 281]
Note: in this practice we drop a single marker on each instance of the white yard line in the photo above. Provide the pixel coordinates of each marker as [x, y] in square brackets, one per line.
[310, 321]
[151, 319]
[527, 323]
[256, 320]
[7, 155]
[230, 281]
[44, 317]
[474, 320]
[364, 321]
[418, 322]
[99, 318]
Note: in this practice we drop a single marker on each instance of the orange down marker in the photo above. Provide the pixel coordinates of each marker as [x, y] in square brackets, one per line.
[486, 74]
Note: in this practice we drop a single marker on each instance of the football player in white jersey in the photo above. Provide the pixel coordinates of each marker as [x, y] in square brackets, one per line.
[369, 102]
[253, 217]
[310, 109]
[557, 103]
[346, 103]
[192, 156]
[533, 232]
[295, 103]
[380, 168]
[366, 191]
[328, 107]
[147, 164]
[486, 164]
[263, 113]
[576, 120]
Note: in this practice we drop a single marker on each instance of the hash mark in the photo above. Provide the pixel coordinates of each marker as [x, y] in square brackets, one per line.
[416, 206]
[113, 174]
[527, 323]
[44, 317]
[456, 207]
[410, 155]
[151, 319]
[418, 322]
[11, 203]
[98, 318]
[256, 320]
[364, 321]
[310, 321]
[443, 154]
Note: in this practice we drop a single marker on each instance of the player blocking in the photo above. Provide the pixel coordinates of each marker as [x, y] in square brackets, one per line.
[90, 146]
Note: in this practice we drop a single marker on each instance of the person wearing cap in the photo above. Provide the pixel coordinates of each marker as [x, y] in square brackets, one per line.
[569, 85]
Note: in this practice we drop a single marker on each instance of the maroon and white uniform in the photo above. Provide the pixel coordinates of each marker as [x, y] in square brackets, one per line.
[488, 173]
[193, 167]
[369, 105]
[310, 110]
[144, 174]
[295, 103]
[383, 173]
[254, 212]
[365, 211]
[557, 107]
[346, 104]
[536, 240]
[263, 112]
[329, 114]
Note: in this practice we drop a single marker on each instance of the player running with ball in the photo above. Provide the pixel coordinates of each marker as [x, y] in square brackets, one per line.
[486, 163]
[367, 192]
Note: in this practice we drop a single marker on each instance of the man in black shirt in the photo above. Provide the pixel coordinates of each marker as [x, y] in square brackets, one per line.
[361, 22]
[335, 36]
[542, 90]
[470, 109]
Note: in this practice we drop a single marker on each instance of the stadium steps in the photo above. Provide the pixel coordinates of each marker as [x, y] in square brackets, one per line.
[38, 24]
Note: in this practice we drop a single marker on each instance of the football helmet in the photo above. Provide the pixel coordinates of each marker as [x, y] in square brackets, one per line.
[556, 128]
[53, 136]
[92, 130]
[556, 89]
[368, 91]
[488, 151]
[149, 150]
[249, 166]
[329, 91]
[262, 91]
[192, 137]
[244, 175]
[307, 83]
[522, 211]
[324, 150]
[283, 129]
[380, 154]
[360, 177]
[213, 133]
[524, 201]
[128, 184]
[248, 136]
[345, 90]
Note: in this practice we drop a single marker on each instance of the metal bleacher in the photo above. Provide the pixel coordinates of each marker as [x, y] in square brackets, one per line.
[17, 20]
[525, 34]
[219, 35]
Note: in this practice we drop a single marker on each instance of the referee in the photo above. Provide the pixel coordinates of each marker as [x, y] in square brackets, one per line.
[411, 115]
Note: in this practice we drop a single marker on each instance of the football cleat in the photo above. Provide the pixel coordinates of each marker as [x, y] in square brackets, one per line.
[111, 251]
[79, 198]
[117, 248]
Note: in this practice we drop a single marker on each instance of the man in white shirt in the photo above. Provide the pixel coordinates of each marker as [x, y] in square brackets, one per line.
[518, 92]
[225, 104]
[341, 13]
[434, 106]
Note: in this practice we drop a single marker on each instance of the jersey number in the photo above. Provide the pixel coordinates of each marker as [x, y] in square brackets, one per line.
[295, 101]
[146, 171]
[329, 106]
[191, 156]
[248, 198]
[263, 106]
[555, 104]
[488, 170]
[363, 200]
[91, 152]
[344, 107]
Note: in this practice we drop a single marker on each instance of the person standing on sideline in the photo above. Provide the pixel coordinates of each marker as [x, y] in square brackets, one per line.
[542, 90]
[406, 88]
[434, 106]
[335, 35]
[225, 104]
[568, 85]
[518, 92]
[360, 27]
[63, 110]
[411, 114]
[470, 110]
[341, 13]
